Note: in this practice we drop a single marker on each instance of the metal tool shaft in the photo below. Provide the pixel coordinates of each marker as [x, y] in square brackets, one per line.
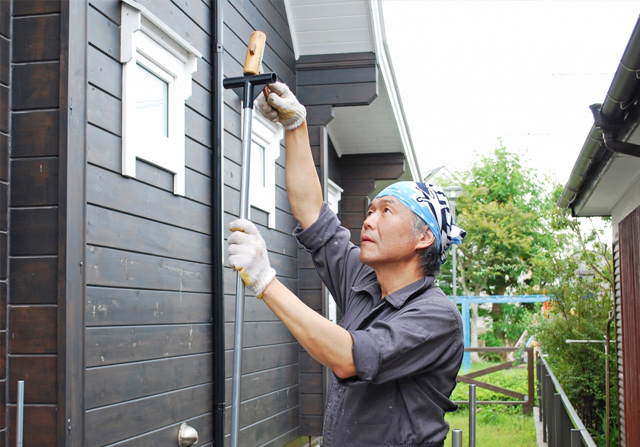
[239, 326]
[244, 88]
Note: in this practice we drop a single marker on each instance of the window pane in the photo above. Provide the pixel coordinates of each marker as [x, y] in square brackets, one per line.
[152, 103]
[258, 164]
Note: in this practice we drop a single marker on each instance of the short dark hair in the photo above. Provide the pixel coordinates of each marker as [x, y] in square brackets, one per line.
[430, 256]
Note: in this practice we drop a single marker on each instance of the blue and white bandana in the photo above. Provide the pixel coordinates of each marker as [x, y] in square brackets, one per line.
[432, 206]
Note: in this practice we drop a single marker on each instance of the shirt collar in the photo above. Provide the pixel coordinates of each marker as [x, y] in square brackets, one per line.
[397, 298]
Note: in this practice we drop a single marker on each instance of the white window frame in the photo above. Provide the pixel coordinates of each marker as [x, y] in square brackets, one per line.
[334, 194]
[268, 135]
[147, 41]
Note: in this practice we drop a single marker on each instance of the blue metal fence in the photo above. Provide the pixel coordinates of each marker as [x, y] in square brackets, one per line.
[464, 301]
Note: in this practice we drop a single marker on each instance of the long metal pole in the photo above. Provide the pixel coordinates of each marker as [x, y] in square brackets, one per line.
[247, 117]
[244, 87]
[456, 438]
[20, 416]
[472, 415]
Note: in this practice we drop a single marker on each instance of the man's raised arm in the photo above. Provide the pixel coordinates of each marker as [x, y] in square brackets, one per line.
[303, 185]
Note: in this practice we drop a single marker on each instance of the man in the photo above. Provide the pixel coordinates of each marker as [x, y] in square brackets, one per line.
[396, 353]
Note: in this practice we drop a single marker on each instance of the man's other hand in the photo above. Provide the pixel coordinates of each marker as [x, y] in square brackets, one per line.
[248, 255]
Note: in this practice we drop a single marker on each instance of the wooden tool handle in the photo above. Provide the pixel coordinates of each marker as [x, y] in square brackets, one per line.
[254, 53]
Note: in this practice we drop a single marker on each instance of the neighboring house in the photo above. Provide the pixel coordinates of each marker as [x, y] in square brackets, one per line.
[605, 181]
[119, 173]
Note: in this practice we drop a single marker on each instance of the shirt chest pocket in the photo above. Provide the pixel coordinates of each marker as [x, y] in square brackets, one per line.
[370, 404]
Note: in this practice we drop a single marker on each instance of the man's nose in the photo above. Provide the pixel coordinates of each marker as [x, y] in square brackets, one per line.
[369, 221]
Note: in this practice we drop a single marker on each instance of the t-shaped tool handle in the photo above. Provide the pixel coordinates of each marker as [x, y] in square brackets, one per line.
[243, 85]
[255, 50]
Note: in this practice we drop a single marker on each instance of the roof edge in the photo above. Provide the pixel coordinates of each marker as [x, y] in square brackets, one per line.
[594, 157]
[386, 68]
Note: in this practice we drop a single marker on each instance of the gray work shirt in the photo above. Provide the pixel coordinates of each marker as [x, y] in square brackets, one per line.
[407, 349]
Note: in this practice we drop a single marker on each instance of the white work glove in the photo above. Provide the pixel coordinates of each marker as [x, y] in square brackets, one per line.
[281, 106]
[248, 255]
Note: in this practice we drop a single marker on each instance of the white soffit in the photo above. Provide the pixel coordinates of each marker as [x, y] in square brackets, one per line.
[354, 26]
[622, 173]
[330, 26]
[361, 130]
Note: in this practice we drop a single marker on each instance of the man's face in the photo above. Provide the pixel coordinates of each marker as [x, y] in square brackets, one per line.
[386, 235]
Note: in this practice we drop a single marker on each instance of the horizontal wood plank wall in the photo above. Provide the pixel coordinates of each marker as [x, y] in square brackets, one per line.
[148, 347]
[325, 82]
[33, 206]
[270, 381]
[629, 238]
[5, 106]
[358, 175]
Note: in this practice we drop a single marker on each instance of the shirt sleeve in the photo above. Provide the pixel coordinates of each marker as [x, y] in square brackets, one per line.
[335, 257]
[421, 337]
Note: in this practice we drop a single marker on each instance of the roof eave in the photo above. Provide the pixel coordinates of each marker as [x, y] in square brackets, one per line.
[594, 158]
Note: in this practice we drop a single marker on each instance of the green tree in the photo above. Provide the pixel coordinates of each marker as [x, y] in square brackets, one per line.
[505, 209]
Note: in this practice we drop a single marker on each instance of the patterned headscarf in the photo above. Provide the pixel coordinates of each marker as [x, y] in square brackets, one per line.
[432, 206]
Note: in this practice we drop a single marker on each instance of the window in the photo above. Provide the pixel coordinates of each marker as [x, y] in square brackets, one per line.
[265, 148]
[156, 81]
[152, 102]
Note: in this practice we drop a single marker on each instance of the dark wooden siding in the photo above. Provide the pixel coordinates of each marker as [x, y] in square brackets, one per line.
[629, 244]
[32, 311]
[5, 106]
[269, 413]
[358, 175]
[148, 347]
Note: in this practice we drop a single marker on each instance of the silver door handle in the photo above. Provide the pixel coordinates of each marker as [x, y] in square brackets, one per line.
[187, 436]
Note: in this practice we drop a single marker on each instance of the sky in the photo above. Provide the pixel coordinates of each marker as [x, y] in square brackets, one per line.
[473, 72]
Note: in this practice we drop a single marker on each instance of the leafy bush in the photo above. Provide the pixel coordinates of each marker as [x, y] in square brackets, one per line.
[580, 311]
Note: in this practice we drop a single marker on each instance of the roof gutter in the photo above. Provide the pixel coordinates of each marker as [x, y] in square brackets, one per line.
[603, 140]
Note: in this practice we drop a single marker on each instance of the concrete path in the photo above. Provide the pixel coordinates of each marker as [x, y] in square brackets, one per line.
[539, 437]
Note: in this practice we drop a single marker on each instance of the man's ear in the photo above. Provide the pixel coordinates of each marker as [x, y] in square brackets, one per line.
[426, 239]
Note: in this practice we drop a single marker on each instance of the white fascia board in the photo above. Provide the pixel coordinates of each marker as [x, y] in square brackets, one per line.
[292, 28]
[386, 69]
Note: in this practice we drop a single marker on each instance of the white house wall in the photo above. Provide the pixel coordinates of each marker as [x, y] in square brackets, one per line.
[629, 202]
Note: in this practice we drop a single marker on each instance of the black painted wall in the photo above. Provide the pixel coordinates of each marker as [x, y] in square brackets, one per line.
[148, 254]
[140, 348]
[33, 209]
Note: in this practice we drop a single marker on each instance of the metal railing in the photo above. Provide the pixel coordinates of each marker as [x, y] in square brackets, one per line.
[526, 400]
[561, 424]
[456, 433]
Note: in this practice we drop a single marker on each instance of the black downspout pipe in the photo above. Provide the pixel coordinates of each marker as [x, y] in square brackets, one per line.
[217, 51]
